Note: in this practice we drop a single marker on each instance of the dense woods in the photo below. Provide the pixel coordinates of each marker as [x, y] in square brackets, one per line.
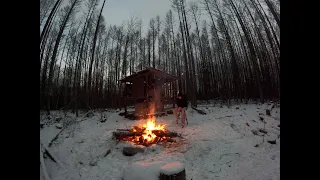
[227, 49]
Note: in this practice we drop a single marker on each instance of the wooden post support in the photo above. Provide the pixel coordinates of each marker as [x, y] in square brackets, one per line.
[125, 105]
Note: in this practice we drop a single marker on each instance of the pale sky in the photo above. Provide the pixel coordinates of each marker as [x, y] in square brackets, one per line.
[116, 12]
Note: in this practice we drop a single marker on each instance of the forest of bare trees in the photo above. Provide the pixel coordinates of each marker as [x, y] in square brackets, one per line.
[228, 49]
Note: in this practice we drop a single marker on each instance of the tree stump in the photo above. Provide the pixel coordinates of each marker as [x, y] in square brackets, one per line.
[173, 171]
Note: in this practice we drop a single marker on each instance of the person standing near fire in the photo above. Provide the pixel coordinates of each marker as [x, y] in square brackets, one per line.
[182, 105]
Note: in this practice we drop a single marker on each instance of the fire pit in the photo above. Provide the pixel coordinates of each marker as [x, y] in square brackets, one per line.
[146, 134]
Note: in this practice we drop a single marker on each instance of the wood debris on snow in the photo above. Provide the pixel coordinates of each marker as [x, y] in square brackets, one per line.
[58, 119]
[272, 142]
[199, 111]
[108, 152]
[59, 126]
[52, 156]
[93, 162]
[43, 165]
[56, 136]
[268, 110]
[263, 131]
[255, 132]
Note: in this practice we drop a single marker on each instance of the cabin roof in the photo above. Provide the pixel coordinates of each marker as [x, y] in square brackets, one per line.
[150, 71]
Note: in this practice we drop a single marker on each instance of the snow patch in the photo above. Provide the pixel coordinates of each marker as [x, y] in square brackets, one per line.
[155, 148]
[143, 171]
[209, 147]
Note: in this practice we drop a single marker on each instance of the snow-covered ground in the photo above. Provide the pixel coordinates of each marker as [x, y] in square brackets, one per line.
[219, 145]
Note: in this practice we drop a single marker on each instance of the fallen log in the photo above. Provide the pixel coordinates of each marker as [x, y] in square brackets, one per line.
[126, 133]
[165, 134]
[265, 118]
[138, 129]
[43, 165]
[56, 136]
[199, 111]
[263, 131]
[108, 152]
[52, 156]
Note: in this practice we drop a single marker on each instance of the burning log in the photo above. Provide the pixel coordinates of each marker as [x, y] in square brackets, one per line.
[143, 137]
[118, 134]
[146, 134]
[158, 133]
[123, 129]
[138, 129]
[156, 140]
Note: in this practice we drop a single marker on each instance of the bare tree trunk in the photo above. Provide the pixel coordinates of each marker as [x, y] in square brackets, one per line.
[221, 54]
[93, 51]
[178, 7]
[55, 51]
[49, 20]
[158, 32]
[191, 58]
[251, 50]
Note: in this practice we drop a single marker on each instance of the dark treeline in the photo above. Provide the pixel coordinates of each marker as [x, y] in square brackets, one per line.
[233, 54]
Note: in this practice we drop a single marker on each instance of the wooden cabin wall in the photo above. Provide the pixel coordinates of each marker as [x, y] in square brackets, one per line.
[138, 87]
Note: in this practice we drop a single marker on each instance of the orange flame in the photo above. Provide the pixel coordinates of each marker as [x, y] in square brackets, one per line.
[150, 126]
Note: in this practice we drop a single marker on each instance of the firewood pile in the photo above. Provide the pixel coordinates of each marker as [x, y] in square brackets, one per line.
[143, 136]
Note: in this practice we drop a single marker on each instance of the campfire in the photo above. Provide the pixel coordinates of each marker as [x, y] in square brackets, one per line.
[145, 134]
